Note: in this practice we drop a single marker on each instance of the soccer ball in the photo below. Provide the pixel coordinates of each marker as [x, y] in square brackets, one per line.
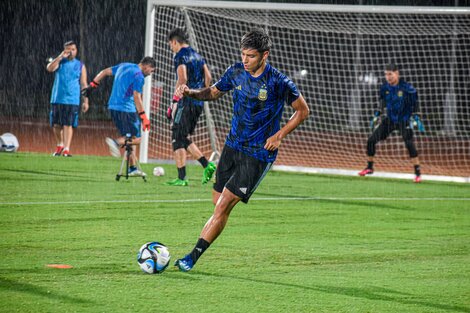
[158, 171]
[8, 143]
[153, 257]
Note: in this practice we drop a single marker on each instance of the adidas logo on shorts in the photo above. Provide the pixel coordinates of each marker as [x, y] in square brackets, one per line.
[243, 189]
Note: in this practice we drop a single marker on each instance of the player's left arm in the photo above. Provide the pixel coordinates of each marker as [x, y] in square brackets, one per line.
[83, 85]
[301, 113]
[412, 98]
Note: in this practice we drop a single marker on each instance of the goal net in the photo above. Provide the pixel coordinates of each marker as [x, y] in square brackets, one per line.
[336, 55]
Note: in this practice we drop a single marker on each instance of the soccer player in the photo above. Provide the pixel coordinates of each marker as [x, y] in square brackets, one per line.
[259, 94]
[70, 77]
[125, 104]
[401, 102]
[191, 70]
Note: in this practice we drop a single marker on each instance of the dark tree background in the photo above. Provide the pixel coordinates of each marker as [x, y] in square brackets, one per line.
[107, 32]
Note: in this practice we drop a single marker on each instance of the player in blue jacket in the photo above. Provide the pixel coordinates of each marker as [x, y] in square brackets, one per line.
[400, 100]
[260, 92]
[70, 78]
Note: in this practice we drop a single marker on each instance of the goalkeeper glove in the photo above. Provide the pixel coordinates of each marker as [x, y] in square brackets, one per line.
[86, 92]
[145, 121]
[169, 112]
[374, 119]
[416, 122]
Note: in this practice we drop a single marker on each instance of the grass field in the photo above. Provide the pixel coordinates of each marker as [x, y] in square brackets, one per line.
[304, 243]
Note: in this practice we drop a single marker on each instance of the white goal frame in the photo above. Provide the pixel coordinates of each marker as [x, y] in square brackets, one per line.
[149, 50]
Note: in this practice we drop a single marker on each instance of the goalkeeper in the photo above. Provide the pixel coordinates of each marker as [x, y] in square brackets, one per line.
[191, 70]
[400, 100]
[125, 104]
[259, 93]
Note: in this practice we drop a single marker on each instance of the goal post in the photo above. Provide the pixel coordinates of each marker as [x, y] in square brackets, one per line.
[336, 55]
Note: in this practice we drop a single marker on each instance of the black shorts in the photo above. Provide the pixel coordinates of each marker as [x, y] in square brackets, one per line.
[185, 120]
[239, 173]
[64, 115]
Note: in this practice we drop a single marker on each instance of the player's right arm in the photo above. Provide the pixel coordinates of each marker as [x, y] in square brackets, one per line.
[207, 76]
[374, 121]
[54, 64]
[204, 94]
[96, 81]
[182, 74]
[382, 104]
[209, 93]
[104, 73]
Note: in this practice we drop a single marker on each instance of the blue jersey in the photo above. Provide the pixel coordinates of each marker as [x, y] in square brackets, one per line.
[66, 88]
[128, 77]
[400, 100]
[194, 63]
[258, 104]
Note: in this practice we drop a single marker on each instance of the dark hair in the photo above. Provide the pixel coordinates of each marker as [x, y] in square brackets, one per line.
[178, 34]
[69, 43]
[256, 39]
[392, 67]
[149, 61]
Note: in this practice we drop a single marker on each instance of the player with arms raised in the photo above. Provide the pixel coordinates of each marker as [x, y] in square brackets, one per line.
[259, 94]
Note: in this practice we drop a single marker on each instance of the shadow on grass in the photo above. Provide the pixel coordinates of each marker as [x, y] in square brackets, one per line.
[369, 293]
[61, 174]
[12, 285]
[368, 204]
[361, 203]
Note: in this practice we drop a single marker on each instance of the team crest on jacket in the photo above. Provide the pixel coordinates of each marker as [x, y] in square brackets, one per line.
[263, 93]
[400, 93]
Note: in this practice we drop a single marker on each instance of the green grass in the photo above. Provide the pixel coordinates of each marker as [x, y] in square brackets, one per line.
[304, 243]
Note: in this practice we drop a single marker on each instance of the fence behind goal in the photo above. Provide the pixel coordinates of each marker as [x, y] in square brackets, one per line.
[336, 55]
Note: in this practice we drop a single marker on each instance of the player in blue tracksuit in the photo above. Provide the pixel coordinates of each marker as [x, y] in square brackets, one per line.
[400, 100]
[259, 94]
[125, 104]
[191, 70]
[70, 77]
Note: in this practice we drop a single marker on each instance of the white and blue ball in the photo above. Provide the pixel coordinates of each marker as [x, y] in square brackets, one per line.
[158, 171]
[8, 143]
[153, 257]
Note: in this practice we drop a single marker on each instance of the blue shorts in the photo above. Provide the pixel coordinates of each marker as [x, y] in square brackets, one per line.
[64, 115]
[126, 122]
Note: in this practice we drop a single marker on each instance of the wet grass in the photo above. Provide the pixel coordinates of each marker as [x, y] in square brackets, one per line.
[304, 243]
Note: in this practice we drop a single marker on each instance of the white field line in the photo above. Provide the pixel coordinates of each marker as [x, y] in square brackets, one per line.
[253, 199]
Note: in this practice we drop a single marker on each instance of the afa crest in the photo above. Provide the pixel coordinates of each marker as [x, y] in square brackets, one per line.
[400, 93]
[263, 93]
